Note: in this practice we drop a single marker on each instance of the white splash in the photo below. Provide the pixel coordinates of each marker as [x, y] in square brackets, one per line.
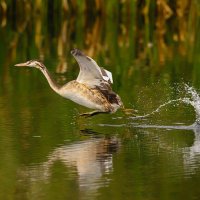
[157, 110]
[193, 100]
[191, 97]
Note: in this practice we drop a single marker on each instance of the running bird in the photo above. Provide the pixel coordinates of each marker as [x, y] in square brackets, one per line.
[91, 89]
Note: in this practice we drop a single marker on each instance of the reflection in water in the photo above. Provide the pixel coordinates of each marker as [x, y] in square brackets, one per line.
[140, 42]
[192, 154]
[88, 160]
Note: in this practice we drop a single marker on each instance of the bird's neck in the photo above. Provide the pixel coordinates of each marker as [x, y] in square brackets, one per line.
[50, 80]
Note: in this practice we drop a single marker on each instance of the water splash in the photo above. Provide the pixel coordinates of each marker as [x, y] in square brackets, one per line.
[162, 106]
[191, 98]
[157, 110]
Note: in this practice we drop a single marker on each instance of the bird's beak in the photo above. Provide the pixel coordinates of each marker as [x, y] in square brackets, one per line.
[21, 65]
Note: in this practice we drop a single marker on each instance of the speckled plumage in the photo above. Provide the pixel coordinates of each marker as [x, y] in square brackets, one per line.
[95, 98]
[91, 89]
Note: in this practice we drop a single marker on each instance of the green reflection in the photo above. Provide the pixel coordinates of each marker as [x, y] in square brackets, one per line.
[47, 151]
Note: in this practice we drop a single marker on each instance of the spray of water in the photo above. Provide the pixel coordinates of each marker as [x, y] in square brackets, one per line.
[157, 110]
[191, 97]
[161, 106]
[193, 100]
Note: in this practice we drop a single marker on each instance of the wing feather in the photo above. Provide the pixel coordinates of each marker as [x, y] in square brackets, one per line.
[90, 73]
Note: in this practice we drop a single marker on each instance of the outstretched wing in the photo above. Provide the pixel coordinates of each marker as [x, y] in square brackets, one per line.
[90, 73]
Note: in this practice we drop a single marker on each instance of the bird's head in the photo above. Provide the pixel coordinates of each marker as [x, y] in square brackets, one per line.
[31, 63]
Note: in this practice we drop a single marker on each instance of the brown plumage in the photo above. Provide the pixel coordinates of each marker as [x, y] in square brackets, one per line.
[92, 88]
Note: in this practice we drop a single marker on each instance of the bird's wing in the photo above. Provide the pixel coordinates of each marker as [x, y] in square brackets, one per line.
[90, 73]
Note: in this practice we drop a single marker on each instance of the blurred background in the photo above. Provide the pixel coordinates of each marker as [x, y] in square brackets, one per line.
[47, 152]
[160, 35]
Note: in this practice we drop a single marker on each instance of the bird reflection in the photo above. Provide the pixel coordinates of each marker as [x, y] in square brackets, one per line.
[88, 160]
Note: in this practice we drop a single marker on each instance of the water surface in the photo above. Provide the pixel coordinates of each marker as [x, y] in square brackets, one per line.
[48, 152]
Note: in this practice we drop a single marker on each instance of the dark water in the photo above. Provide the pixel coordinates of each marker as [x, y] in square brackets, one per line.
[48, 152]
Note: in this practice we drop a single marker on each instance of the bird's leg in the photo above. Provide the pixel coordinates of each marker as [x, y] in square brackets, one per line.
[90, 114]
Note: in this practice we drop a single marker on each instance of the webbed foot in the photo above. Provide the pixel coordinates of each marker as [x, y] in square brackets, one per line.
[129, 111]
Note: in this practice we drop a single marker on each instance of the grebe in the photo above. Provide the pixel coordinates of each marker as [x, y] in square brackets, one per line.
[91, 89]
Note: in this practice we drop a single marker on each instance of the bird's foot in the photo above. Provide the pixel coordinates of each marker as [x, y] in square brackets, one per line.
[129, 111]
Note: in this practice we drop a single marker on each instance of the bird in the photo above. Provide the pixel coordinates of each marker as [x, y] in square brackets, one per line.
[92, 88]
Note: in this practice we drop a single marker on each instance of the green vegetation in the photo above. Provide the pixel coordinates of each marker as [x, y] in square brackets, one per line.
[153, 32]
[149, 46]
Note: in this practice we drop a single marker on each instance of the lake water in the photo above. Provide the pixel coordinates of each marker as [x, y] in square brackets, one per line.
[48, 151]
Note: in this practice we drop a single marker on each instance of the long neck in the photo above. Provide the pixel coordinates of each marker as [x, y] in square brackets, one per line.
[49, 78]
